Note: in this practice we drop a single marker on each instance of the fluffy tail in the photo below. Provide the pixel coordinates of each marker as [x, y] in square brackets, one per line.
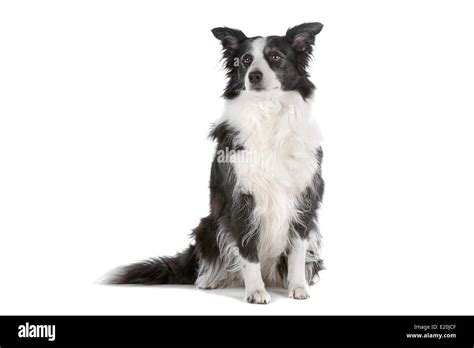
[179, 269]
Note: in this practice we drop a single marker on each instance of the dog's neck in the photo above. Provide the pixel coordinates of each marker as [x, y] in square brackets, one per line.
[251, 105]
[276, 95]
[275, 114]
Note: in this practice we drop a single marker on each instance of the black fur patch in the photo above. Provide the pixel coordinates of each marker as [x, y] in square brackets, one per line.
[309, 203]
[179, 269]
[233, 211]
[241, 215]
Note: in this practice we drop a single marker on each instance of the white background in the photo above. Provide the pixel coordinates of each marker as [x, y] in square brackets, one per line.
[105, 108]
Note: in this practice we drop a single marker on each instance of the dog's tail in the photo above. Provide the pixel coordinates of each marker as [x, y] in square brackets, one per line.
[179, 269]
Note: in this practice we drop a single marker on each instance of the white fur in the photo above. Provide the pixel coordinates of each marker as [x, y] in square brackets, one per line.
[278, 127]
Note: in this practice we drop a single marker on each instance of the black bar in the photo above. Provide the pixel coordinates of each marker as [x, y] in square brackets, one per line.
[248, 330]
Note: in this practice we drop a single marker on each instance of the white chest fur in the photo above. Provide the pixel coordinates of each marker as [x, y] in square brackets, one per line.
[280, 141]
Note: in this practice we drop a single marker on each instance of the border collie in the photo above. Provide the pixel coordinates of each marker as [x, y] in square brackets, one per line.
[265, 186]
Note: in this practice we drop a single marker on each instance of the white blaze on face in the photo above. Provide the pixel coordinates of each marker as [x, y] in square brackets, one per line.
[259, 63]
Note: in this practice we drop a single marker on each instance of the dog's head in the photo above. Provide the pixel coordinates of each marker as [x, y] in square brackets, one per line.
[268, 63]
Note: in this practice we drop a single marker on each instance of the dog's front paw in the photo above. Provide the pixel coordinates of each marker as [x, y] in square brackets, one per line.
[299, 292]
[259, 296]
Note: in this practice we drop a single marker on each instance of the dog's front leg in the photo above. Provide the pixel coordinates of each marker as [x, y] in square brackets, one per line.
[247, 230]
[297, 285]
[254, 287]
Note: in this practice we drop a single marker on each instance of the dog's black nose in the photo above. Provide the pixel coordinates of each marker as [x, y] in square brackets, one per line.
[255, 77]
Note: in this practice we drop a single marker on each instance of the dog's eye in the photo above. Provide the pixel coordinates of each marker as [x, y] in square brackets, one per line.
[276, 57]
[247, 59]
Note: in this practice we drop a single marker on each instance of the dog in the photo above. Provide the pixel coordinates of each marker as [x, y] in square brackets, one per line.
[265, 184]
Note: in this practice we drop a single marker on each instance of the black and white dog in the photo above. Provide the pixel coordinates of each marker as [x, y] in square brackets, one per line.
[265, 184]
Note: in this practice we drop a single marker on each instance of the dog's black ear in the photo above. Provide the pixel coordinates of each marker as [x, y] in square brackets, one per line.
[230, 38]
[301, 37]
